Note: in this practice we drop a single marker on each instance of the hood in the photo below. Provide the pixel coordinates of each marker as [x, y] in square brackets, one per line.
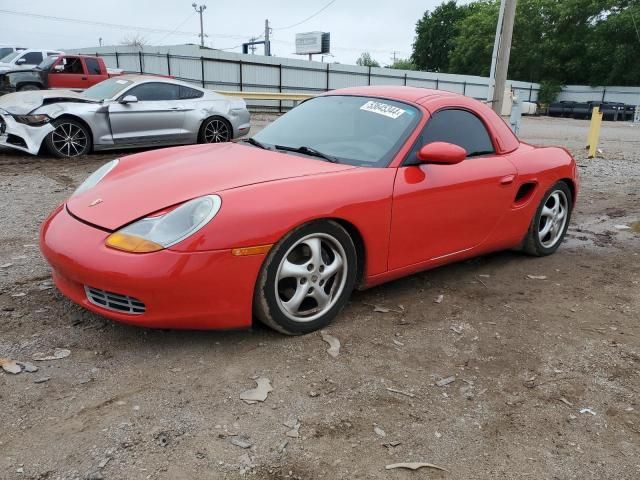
[13, 69]
[148, 182]
[12, 66]
[21, 103]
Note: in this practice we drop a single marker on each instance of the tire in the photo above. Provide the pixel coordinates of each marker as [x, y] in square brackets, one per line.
[549, 225]
[61, 142]
[322, 261]
[215, 130]
[28, 87]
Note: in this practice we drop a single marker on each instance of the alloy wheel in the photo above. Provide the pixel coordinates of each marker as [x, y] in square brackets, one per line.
[311, 277]
[216, 131]
[69, 140]
[553, 219]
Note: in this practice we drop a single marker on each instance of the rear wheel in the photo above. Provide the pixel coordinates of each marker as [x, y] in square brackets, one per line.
[307, 278]
[549, 225]
[69, 138]
[215, 130]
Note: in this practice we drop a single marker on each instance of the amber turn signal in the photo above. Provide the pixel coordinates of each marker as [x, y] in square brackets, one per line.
[131, 243]
[257, 250]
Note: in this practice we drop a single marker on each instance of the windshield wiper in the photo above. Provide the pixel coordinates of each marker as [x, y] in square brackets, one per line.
[255, 143]
[308, 151]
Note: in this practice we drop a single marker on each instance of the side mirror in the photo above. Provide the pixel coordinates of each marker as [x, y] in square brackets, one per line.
[58, 68]
[129, 99]
[442, 153]
[21, 61]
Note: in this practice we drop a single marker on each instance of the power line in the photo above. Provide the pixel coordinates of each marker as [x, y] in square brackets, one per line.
[113, 25]
[176, 29]
[308, 18]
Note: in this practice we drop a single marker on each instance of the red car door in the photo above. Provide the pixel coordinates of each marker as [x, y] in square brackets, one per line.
[440, 210]
[68, 72]
[96, 73]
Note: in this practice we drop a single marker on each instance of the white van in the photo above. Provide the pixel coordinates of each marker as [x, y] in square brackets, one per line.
[27, 58]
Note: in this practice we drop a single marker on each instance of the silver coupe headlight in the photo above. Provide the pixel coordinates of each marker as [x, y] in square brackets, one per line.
[151, 234]
[93, 179]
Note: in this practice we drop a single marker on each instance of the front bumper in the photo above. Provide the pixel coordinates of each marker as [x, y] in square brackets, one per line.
[22, 137]
[199, 290]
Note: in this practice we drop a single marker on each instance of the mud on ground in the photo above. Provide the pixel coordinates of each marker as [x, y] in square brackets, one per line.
[527, 356]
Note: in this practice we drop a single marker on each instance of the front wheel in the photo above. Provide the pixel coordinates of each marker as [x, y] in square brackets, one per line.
[306, 279]
[550, 223]
[69, 138]
[215, 130]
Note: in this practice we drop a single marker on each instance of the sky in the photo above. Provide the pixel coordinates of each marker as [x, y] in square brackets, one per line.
[355, 25]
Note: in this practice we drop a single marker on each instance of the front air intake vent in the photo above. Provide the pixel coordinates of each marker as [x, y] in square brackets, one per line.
[114, 301]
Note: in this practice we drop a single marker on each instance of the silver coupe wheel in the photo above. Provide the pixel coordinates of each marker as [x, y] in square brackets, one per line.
[553, 218]
[69, 140]
[216, 131]
[311, 277]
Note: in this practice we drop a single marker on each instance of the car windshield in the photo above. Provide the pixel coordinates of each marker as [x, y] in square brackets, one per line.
[4, 51]
[107, 89]
[361, 131]
[8, 58]
[47, 62]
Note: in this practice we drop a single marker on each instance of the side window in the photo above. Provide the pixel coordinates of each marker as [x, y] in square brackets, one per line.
[155, 91]
[53, 54]
[187, 93]
[459, 127]
[93, 66]
[32, 58]
[72, 65]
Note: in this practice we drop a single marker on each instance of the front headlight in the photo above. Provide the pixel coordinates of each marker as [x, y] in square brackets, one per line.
[93, 179]
[157, 233]
[33, 120]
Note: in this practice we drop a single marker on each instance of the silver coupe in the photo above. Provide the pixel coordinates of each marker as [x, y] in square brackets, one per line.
[127, 111]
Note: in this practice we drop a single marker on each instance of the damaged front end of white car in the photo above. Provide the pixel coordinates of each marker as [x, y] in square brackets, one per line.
[24, 132]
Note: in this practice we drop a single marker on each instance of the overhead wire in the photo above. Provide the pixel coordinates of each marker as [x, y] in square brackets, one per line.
[308, 18]
[189, 17]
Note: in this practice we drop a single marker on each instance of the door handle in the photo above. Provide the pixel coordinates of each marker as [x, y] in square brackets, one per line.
[84, 78]
[507, 179]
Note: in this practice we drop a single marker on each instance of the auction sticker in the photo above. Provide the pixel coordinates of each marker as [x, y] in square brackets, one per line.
[382, 109]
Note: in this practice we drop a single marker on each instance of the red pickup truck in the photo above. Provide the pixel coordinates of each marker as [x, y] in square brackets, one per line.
[76, 72]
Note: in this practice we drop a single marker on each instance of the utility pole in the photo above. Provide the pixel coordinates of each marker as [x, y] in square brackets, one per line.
[267, 42]
[394, 56]
[504, 52]
[252, 47]
[199, 10]
[494, 56]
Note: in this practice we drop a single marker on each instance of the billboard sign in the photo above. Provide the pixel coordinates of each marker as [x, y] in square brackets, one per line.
[312, 42]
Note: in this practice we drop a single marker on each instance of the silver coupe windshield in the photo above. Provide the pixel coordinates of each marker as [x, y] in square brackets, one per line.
[107, 89]
[362, 131]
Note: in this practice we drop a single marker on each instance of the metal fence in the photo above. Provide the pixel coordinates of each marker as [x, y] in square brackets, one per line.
[219, 70]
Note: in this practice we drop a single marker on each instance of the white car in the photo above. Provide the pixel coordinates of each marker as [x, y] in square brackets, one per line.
[27, 58]
[7, 49]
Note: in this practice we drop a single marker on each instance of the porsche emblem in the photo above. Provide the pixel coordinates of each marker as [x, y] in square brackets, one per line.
[95, 202]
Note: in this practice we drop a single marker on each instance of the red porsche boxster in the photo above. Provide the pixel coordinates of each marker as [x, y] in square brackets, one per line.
[348, 190]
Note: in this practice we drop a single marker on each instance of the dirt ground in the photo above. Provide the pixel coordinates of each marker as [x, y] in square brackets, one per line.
[527, 355]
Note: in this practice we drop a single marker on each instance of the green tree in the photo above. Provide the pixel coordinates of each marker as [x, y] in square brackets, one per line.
[473, 44]
[366, 60]
[403, 64]
[435, 35]
[592, 42]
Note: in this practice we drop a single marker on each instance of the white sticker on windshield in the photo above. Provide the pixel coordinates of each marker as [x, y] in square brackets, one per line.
[382, 109]
[121, 82]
